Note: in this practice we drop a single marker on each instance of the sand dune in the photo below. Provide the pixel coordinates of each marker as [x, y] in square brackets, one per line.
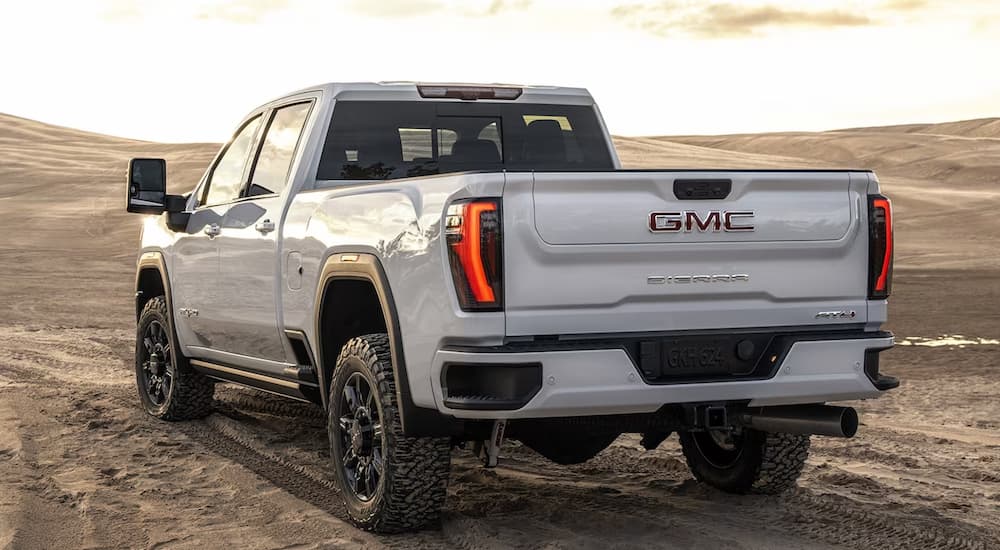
[975, 128]
[82, 466]
[57, 183]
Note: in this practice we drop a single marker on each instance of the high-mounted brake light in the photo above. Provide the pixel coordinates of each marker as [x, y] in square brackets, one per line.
[469, 93]
[473, 234]
[880, 247]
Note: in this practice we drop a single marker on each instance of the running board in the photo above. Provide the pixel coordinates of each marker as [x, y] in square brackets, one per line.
[299, 389]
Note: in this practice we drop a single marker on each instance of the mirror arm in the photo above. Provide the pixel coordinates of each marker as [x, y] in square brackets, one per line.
[174, 203]
[177, 218]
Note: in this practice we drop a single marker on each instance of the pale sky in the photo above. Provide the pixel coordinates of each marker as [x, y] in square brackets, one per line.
[188, 70]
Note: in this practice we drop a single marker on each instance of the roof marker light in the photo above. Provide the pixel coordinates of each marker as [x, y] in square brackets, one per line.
[468, 93]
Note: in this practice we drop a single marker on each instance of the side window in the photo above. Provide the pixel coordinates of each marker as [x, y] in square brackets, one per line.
[418, 144]
[270, 174]
[446, 140]
[225, 181]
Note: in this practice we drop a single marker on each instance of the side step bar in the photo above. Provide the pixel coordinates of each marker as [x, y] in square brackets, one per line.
[804, 420]
[302, 390]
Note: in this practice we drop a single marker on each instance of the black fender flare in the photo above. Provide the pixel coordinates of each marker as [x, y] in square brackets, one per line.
[149, 261]
[416, 421]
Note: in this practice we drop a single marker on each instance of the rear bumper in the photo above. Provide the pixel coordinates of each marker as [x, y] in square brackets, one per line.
[585, 382]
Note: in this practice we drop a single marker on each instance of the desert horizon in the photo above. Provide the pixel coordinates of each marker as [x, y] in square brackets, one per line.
[82, 466]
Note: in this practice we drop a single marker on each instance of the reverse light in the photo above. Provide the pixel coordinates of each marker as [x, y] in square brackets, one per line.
[473, 235]
[469, 93]
[880, 247]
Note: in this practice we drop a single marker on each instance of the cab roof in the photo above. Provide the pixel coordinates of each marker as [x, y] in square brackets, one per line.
[409, 91]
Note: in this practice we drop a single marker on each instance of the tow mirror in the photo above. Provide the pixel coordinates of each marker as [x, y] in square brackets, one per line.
[147, 186]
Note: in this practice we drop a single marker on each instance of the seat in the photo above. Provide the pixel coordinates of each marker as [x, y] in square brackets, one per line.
[544, 142]
[479, 151]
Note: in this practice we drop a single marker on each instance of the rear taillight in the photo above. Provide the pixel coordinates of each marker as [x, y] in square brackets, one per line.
[879, 247]
[473, 233]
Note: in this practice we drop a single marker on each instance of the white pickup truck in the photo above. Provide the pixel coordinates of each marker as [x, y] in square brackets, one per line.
[437, 264]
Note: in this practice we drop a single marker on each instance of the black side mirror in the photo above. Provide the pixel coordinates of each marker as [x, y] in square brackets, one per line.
[147, 186]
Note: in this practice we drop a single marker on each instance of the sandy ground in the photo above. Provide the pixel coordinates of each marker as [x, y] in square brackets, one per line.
[82, 466]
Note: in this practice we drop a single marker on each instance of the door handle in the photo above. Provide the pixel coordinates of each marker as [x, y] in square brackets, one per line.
[265, 226]
[213, 230]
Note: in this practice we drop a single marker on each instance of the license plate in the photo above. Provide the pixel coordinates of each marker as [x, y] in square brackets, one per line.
[697, 357]
[687, 357]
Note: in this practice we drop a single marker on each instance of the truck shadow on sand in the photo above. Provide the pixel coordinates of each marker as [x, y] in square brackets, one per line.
[645, 497]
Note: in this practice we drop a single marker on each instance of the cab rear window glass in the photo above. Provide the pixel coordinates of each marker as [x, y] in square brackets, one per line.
[374, 140]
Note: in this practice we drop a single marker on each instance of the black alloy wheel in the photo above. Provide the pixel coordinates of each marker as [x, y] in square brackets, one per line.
[158, 370]
[362, 438]
[719, 448]
[169, 388]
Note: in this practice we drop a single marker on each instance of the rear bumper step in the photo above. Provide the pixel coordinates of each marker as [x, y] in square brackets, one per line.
[594, 379]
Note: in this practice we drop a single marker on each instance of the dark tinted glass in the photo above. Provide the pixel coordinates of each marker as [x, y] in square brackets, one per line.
[388, 139]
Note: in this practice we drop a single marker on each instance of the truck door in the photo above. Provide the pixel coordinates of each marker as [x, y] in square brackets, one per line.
[249, 252]
[194, 271]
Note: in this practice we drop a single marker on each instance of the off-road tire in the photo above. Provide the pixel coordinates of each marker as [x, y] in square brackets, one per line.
[190, 394]
[412, 488]
[767, 463]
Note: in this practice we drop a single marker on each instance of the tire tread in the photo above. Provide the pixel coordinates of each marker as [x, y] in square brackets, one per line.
[193, 392]
[771, 466]
[416, 468]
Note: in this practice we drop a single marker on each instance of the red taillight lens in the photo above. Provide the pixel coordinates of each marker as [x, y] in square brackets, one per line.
[473, 234]
[880, 245]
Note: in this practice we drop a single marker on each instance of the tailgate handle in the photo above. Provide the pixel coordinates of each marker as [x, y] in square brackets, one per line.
[702, 189]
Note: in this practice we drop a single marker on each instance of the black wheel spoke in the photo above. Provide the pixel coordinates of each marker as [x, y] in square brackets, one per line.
[351, 398]
[359, 388]
[359, 481]
[350, 458]
[345, 423]
[369, 481]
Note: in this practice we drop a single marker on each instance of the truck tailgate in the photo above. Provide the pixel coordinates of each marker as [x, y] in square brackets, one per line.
[639, 251]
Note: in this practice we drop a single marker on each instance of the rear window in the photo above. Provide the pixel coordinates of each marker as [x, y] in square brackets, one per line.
[374, 140]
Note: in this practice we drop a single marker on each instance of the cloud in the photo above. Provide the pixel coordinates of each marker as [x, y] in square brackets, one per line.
[904, 5]
[240, 11]
[716, 20]
[395, 8]
[499, 6]
[233, 11]
[414, 8]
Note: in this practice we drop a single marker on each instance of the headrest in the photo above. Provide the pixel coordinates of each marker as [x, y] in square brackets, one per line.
[545, 127]
[479, 150]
